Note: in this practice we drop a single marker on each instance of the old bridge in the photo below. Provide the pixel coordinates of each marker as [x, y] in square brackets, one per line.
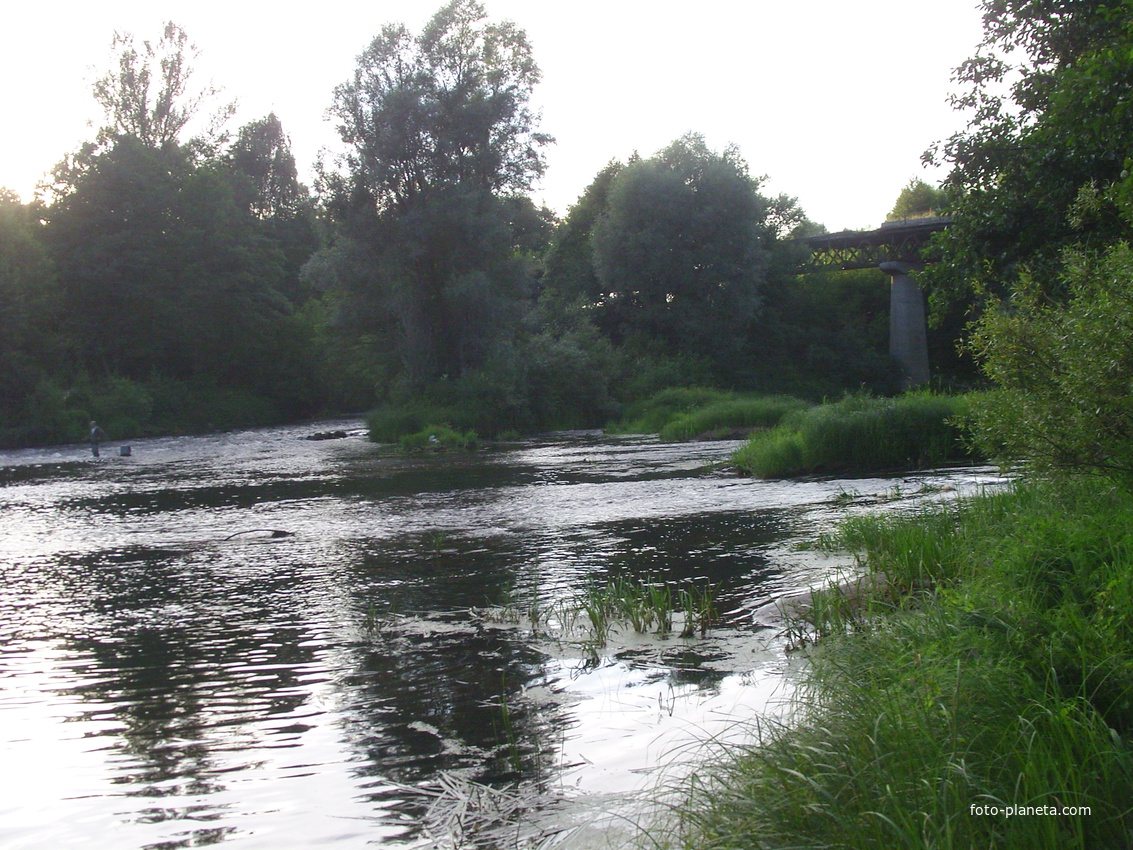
[897, 248]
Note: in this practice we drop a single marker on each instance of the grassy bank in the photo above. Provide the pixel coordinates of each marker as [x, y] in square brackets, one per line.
[689, 413]
[860, 433]
[993, 669]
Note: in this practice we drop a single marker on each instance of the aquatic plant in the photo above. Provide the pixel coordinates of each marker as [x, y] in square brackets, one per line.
[731, 415]
[860, 433]
[700, 612]
[438, 438]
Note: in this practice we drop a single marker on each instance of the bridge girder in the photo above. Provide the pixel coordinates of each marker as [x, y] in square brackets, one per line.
[899, 241]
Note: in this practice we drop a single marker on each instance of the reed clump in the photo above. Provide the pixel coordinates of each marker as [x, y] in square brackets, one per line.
[438, 438]
[992, 667]
[861, 433]
[730, 416]
[688, 413]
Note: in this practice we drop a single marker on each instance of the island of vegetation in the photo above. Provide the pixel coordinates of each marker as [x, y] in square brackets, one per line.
[980, 694]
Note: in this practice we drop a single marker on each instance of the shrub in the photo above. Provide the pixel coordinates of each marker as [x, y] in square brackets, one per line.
[1064, 371]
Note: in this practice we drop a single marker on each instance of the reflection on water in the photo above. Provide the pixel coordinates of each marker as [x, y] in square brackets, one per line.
[260, 638]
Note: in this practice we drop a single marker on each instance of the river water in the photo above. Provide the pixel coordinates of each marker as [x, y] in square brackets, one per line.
[263, 640]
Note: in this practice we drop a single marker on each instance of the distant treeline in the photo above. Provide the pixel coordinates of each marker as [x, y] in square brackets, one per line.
[172, 282]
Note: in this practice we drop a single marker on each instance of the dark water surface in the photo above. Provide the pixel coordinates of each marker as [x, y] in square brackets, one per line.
[262, 640]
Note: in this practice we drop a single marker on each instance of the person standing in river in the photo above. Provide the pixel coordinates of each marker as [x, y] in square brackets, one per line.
[97, 435]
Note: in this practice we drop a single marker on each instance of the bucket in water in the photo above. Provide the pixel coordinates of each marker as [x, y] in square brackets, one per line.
[124, 451]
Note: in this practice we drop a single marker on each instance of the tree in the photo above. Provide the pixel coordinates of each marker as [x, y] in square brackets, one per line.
[28, 303]
[148, 93]
[450, 107]
[262, 161]
[440, 139]
[163, 274]
[569, 271]
[682, 247]
[1051, 125]
[918, 199]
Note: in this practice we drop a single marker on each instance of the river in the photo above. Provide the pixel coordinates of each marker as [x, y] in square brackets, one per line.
[265, 640]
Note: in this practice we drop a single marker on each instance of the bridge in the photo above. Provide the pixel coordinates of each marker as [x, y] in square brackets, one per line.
[897, 248]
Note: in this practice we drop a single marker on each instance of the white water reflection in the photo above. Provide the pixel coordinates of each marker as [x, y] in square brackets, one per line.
[173, 675]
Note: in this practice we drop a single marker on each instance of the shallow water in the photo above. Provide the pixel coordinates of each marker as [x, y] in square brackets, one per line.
[269, 641]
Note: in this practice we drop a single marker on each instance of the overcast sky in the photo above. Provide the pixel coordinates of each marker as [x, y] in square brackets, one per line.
[834, 101]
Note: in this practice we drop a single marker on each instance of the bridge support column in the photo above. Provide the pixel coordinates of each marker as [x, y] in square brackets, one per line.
[908, 335]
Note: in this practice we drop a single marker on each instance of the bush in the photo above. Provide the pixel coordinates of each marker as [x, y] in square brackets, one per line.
[1064, 371]
[860, 433]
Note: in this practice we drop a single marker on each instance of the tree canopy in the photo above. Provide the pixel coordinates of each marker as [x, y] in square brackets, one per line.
[440, 141]
[1051, 126]
[448, 107]
[148, 94]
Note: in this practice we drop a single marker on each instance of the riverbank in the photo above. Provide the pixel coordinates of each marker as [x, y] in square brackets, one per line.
[981, 695]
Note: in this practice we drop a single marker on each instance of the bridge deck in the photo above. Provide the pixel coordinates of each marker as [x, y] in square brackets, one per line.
[894, 241]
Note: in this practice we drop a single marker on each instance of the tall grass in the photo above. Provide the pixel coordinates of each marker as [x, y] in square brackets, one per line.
[730, 415]
[1006, 679]
[860, 433]
[685, 413]
[650, 415]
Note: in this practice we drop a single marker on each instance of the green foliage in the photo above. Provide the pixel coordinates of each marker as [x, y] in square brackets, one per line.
[860, 433]
[731, 416]
[650, 415]
[28, 303]
[1047, 92]
[569, 265]
[431, 244]
[148, 94]
[680, 250]
[1064, 371]
[823, 334]
[918, 199]
[1007, 681]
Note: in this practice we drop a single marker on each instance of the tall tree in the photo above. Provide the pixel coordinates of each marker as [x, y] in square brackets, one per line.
[28, 302]
[439, 133]
[1051, 126]
[918, 198]
[149, 94]
[682, 248]
[261, 158]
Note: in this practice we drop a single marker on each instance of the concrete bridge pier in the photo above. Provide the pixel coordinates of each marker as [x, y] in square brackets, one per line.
[908, 335]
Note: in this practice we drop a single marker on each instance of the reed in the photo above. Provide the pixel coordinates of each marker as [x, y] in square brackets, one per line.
[860, 433]
[650, 415]
[731, 415]
[438, 438]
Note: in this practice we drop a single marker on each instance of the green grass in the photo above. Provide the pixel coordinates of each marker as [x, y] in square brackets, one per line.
[685, 413]
[994, 668]
[860, 433]
[438, 438]
[731, 415]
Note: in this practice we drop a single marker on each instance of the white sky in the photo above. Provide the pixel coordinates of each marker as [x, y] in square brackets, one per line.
[833, 100]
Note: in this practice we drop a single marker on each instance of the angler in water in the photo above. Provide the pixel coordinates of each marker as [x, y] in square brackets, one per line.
[97, 435]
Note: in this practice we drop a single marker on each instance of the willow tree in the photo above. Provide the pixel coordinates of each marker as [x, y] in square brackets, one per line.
[440, 140]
